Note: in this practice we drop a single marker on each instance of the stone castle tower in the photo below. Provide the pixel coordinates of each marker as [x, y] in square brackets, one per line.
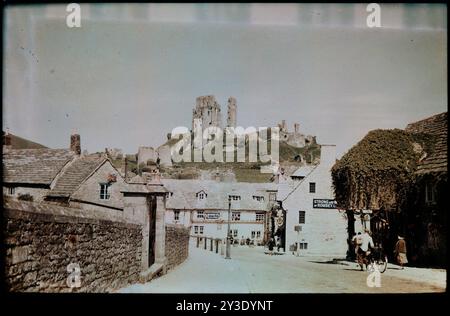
[208, 111]
[231, 118]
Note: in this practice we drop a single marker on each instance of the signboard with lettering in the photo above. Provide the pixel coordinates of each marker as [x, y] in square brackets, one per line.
[212, 215]
[324, 203]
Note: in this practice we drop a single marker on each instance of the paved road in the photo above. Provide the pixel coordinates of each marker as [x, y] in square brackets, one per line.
[252, 271]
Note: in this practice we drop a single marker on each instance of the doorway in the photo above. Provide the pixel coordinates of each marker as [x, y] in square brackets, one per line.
[152, 230]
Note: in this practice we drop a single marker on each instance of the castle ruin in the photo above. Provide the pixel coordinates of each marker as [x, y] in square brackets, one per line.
[208, 111]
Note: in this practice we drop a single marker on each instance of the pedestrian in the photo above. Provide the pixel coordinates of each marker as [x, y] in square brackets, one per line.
[357, 241]
[271, 244]
[278, 244]
[400, 252]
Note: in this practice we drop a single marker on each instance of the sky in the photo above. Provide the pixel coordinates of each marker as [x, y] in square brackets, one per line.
[131, 72]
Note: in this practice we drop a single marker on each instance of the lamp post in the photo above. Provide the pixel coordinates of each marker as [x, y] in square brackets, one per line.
[227, 255]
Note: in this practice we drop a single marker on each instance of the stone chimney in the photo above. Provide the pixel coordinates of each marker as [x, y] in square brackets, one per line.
[283, 126]
[7, 140]
[328, 155]
[125, 167]
[75, 144]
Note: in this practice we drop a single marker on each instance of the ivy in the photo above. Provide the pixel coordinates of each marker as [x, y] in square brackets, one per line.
[378, 172]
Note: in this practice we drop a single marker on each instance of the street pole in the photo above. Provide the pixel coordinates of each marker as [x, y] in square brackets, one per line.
[227, 255]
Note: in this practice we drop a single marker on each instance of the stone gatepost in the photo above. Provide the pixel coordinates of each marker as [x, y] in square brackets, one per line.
[140, 197]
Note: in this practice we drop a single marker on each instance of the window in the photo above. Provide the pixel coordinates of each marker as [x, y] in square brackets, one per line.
[105, 192]
[201, 195]
[272, 196]
[303, 245]
[430, 191]
[169, 194]
[196, 230]
[235, 197]
[258, 198]
[176, 215]
[258, 234]
[236, 216]
[235, 233]
[253, 234]
[11, 190]
[312, 187]
[201, 214]
[201, 230]
[301, 217]
[260, 217]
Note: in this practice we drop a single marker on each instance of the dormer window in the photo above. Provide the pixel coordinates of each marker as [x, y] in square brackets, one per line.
[235, 197]
[201, 195]
[272, 196]
[258, 198]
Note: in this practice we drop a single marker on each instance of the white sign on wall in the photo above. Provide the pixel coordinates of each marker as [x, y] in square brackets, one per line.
[212, 215]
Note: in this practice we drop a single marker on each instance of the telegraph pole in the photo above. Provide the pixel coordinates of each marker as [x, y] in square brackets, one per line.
[227, 255]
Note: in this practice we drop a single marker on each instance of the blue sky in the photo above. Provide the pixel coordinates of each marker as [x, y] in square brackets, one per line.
[131, 73]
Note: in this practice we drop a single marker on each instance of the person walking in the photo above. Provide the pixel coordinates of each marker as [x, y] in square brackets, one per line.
[357, 241]
[271, 244]
[400, 252]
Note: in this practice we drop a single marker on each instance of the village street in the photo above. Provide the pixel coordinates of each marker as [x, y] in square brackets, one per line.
[252, 271]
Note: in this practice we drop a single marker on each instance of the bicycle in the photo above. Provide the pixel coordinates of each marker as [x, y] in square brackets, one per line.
[376, 256]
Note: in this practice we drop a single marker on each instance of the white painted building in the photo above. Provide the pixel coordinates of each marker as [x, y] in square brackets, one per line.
[313, 225]
[202, 205]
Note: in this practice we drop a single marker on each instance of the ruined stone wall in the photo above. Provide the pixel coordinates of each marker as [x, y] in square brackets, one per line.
[42, 240]
[177, 245]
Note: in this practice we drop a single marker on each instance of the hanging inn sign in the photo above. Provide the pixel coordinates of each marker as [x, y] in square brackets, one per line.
[324, 203]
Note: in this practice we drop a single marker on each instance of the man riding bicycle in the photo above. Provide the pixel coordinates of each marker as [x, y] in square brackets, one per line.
[365, 247]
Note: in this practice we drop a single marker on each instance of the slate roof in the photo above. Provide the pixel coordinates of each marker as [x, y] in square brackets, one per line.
[436, 125]
[34, 166]
[75, 174]
[184, 194]
[303, 171]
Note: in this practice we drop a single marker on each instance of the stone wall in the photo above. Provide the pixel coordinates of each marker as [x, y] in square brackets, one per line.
[38, 194]
[177, 245]
[41, 240]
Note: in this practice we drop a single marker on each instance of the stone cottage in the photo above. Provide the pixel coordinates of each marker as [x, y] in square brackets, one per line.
[63, 176]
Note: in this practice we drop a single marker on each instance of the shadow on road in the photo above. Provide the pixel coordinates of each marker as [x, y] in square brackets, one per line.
[334, 261]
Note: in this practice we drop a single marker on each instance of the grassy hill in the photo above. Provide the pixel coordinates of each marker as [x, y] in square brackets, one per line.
[245, 171]
[22, 143]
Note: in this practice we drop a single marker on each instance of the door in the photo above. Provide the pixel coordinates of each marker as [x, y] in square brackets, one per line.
[152, 231]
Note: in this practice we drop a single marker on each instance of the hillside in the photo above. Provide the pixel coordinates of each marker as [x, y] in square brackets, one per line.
[22, 143]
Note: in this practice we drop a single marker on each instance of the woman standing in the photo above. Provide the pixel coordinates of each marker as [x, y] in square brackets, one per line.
[400, 251]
